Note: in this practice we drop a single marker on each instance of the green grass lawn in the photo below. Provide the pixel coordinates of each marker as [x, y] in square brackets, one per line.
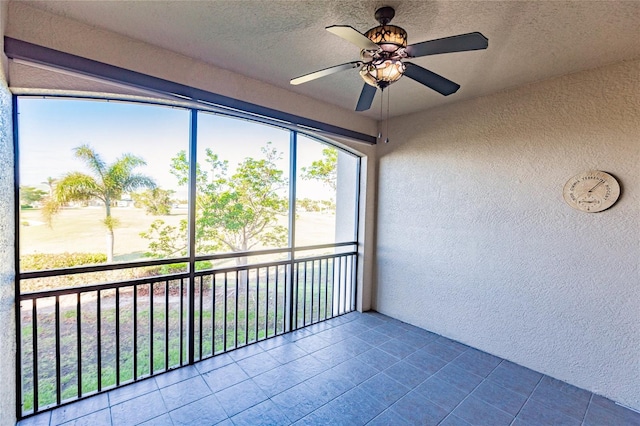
[81, 230]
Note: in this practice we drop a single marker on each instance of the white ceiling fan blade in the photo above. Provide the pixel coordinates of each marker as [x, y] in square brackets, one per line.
[325, 72]
[353, 36]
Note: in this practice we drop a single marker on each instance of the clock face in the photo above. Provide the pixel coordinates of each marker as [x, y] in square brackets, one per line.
[592, 191]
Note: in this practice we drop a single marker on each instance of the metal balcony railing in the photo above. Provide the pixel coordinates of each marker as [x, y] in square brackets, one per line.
[79, 341]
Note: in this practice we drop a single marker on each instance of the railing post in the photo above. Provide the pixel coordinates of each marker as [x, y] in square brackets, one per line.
[193, 137]
[293, 147]
[356, 237]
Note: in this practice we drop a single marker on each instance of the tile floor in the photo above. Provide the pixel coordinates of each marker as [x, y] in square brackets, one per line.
[352, 370]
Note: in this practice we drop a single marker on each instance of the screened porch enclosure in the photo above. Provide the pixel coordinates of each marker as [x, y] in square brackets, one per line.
[245, 231]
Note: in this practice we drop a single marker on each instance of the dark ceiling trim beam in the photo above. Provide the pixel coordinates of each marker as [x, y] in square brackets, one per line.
[22, 50]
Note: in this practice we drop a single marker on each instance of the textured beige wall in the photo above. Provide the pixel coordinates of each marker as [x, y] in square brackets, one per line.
[475, 242]
[366, 233]
[7, 241]
[71, 36]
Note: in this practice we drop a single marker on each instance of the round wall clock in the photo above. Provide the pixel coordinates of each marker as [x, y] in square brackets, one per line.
[592, 191]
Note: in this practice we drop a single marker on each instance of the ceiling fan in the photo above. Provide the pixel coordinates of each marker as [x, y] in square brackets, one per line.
[383, 54]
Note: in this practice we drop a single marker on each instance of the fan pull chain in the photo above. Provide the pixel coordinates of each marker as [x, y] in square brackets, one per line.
[387, 123]
[381, 103]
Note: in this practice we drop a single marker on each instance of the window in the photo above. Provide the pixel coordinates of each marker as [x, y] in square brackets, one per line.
[107, 182]
[243, 186]
[326, 194]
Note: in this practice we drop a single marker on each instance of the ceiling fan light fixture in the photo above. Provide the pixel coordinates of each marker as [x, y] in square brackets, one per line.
[383, 50]
[381, 74]
[389, 37]
[367, 77]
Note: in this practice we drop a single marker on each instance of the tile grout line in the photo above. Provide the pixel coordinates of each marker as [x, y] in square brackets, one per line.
[412, 389]
[450, 411]
[470, 392]
[584, 417]
[354, 386]
[486, 379]
[198, 399]
[548, 407]
[278, 406]
[315, 375]
[432, 375]
[528, 398]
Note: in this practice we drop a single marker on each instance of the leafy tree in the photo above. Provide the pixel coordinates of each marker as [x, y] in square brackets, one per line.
[30, 195]
[168, 240]
[107, 183]
[156, 201]
[327, 205]
[325, 170]
[309, 205]
[233, 212]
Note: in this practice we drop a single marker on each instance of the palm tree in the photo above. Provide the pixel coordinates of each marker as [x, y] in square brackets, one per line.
[50, 182]
[108, 183]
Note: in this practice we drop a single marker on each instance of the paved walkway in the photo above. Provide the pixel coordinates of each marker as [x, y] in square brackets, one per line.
[352, 370]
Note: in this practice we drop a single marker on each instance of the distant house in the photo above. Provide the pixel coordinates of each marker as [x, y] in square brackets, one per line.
[125, 202]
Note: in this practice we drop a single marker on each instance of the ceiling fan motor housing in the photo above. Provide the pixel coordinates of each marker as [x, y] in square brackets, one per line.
[389, 37]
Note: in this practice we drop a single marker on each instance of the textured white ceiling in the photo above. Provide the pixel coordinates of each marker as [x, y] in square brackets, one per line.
[274, 41]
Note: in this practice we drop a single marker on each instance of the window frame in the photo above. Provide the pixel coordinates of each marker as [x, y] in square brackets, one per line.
[191, 258]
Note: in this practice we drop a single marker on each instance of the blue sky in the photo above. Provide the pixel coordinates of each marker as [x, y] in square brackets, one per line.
[49, 129]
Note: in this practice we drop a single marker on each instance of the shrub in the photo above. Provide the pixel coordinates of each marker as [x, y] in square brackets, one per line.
[40, 261]
[176, 268]
[203, 265]
[36, 262]
[173, 268]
